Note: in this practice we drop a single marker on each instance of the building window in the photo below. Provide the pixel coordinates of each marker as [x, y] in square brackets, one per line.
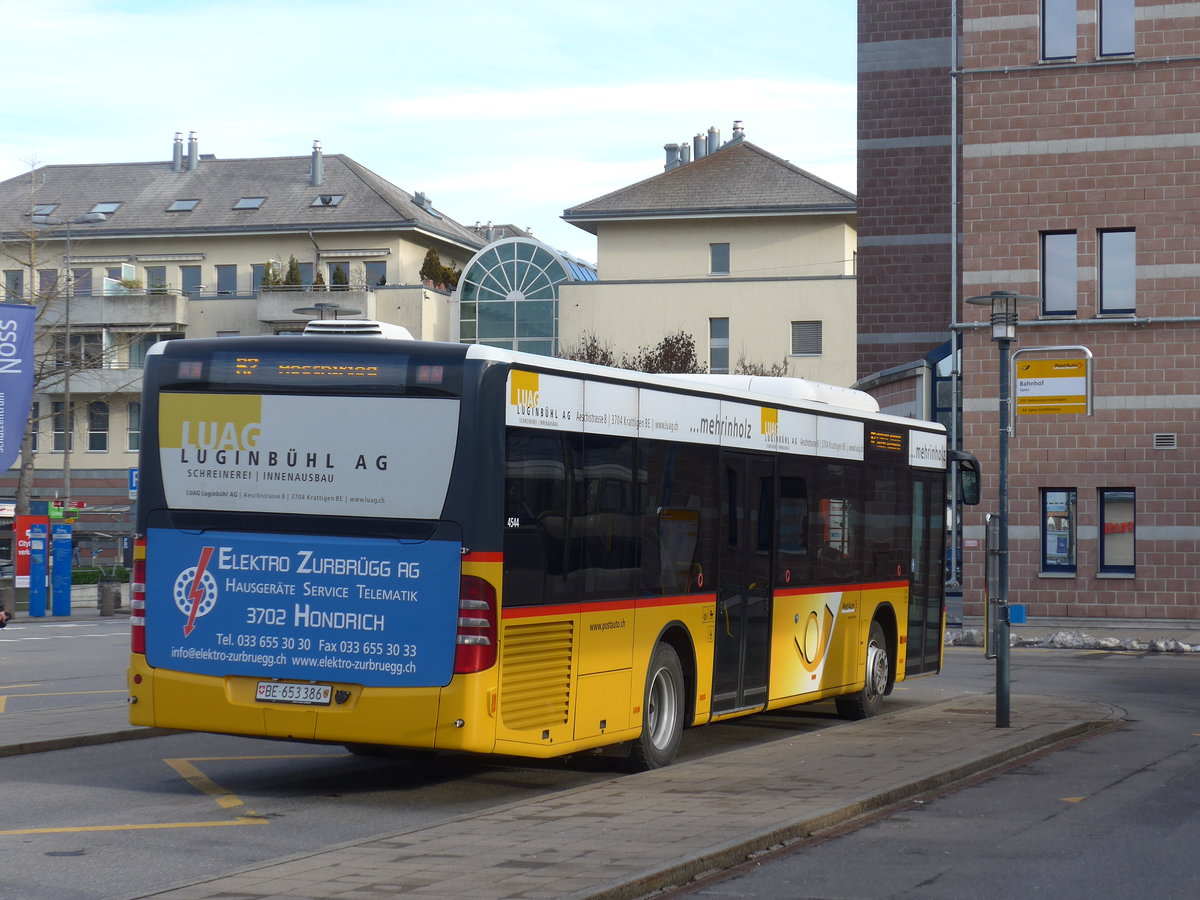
[1058, 530]
[339, 275]
[1118, 272]
[250, 203]
[87, 350]
[1058, 29]
[14, 285]
[376, 273]
[1117, 531]
[156, 279]
[1116, 27]
[189, 277]
[806, 338]
[306, 274]
[1060, 275]
[59, 427]
[327, 200]
[107, 207]
[140, 347]
[44, 209]
[226, 279]
[718, 259]
[718, 346]
[35, 425]
[133, 430]
[183, 206]
[97, 412]
[81, 282]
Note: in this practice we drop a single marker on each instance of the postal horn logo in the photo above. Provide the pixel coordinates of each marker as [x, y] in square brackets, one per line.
[195, 591]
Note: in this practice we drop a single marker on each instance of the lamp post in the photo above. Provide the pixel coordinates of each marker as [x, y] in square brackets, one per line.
[1004, 331]
[94, 218]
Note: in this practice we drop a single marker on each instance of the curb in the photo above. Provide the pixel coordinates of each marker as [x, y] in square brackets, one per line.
[679, 874]
[82, 740]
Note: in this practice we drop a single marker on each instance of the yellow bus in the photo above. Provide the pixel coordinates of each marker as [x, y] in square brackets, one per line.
[354, 537]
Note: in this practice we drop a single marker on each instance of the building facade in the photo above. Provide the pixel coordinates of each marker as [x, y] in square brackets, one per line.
[746, 252]
[195, 246]
[1069, 173]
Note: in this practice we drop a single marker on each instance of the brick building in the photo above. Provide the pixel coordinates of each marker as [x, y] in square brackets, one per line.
[1046, 147]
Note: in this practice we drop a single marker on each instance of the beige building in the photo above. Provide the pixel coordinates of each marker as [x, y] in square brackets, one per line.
[182, 247]
[751, 255]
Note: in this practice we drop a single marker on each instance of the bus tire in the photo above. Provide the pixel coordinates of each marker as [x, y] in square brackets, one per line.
[869, 701]
[662, 712]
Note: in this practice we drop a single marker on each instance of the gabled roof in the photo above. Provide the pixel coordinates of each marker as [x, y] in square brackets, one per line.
[146, 190]
[739, 179]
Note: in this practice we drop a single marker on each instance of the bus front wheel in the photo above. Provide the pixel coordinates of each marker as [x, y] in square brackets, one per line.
[662, 712]
[869, 701]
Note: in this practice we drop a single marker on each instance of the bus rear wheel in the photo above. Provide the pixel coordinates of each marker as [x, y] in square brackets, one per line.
[662, 712]
[869, 701]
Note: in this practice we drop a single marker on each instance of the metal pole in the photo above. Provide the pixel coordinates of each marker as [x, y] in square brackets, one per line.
[68, 423]
[1002, 673]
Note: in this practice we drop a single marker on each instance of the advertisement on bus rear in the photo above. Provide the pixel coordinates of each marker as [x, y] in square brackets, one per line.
[363, 611]
[329, 456]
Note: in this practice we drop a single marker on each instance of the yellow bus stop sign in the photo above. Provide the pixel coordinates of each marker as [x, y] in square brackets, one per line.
[1051, 386]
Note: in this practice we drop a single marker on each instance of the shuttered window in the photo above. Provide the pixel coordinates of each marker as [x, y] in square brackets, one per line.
[806, 338]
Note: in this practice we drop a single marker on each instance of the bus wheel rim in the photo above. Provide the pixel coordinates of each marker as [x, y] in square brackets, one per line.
[660, 708]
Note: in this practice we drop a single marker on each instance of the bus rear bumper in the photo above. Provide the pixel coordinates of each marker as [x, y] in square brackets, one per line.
[419, 718]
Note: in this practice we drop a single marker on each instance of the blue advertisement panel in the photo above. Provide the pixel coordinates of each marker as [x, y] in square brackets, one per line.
[39, 537]
[380, 613]
[60, 579]
[17, 325]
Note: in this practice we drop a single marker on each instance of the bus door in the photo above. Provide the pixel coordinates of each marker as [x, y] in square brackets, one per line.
[925, 590]
[743, 639]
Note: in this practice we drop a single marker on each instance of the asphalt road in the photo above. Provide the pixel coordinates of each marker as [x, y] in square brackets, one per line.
[1115, 815]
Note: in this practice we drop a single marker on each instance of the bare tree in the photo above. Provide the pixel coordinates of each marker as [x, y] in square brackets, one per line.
[43, 284]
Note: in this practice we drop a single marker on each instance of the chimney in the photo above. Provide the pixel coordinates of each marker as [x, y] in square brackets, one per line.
[714, 139]
[672, 157]
[318, 165]
[738, 131]
[699, 148]
[177, 157]
[193, 152]
[685, 153]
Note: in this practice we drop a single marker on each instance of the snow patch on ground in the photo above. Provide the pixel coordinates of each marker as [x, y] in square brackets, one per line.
[1072, 640]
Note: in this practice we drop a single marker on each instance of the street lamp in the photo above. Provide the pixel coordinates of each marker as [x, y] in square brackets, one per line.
[92, 218]
[1004, 332]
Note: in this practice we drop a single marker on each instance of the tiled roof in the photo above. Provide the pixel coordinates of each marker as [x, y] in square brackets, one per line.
[738, 179]
[146, 190]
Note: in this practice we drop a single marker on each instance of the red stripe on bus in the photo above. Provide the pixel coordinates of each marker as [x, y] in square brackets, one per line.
[479, 556]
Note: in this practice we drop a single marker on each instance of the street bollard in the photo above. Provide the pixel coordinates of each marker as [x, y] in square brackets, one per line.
[110, 596]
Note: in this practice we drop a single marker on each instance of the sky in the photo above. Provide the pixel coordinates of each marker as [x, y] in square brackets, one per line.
[509, 111]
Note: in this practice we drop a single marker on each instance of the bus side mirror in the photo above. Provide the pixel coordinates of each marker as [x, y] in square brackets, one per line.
[966, 467]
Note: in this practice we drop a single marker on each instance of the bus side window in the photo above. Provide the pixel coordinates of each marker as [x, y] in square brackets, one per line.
[536, 496]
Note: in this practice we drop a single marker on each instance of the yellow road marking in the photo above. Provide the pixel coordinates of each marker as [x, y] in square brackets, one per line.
[9, 687]
[197, 779]
[4, 697]
[241, 820]
[1072, 799]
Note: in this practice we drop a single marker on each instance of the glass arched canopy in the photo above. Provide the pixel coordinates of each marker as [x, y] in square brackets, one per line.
[508, 295]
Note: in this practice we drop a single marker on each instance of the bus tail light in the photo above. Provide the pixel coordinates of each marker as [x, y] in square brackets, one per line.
[137, 598]
[476, 636]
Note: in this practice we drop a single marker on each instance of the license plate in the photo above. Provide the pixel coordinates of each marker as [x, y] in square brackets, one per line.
[287, 692]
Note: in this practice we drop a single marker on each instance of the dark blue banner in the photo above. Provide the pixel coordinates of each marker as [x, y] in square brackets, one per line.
[17, 322]
[362, 611]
